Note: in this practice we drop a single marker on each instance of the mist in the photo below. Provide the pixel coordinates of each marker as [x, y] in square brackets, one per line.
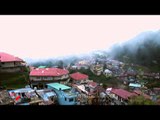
[142, 49]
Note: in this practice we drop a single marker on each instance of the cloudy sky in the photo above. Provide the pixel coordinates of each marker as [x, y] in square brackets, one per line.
[41, 36]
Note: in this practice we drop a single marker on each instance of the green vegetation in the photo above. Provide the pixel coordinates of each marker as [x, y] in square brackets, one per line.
[152, 83]
[154, 68]
[138, 68]
[140, 100]
[14, 80]
[113, 82]
[144, 53]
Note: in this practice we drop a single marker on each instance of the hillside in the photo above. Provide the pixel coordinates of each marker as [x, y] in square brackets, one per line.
[142, 50]
[14, 80]
[110, 82]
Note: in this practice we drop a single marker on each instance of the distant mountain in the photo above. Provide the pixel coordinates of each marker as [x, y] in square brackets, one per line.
[69, 59]
[144, 49]
[55, 61]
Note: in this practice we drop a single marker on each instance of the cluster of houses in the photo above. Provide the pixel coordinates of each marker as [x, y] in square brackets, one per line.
[97, 69]
[80, 64]
[56, 86]
[121, 96]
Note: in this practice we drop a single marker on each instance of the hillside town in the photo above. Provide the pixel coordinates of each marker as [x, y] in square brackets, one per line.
[115, 83]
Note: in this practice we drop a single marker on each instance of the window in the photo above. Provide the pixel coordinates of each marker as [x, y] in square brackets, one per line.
[119, 98]
[40, 85]
[71, 99]
[65, 99]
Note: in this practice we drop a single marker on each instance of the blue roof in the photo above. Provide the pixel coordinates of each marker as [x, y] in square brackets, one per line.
[134, 85]
[21, 90]
[58, 86]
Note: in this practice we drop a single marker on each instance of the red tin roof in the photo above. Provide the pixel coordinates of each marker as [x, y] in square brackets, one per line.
[122, 93]
[48, 72]
[5, 57]
[78, 76]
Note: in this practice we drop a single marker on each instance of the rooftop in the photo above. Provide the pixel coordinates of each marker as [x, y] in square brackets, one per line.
[93, 84]
[58, 86]
[4, 57]
[134, 85]
[141, 93]
[48, 72]
[78, 76]
[21, 90]
[122, 93]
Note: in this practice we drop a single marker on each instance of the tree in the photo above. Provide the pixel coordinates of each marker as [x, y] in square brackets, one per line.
[60, 64]
[105, 86]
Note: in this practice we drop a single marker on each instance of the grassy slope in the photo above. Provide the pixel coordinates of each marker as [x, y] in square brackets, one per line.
[154, 68]
[13, 80]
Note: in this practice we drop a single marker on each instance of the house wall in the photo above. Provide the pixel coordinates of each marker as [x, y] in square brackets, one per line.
[10, 64]
[115, 96]
[19, 64]
[118, 98]
[63, 99]
[61, 77]
[107, 74]
[10, 69]
[39, 78]
[7, 64]
[80, 81]
[42, 81]
[38, 85]
[96, 69]
[76, 81]
[92, 89]
[112, 96]
[36, 78]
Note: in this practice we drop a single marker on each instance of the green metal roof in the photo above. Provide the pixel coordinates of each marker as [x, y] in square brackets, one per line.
[42, 67]
[58, 86]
